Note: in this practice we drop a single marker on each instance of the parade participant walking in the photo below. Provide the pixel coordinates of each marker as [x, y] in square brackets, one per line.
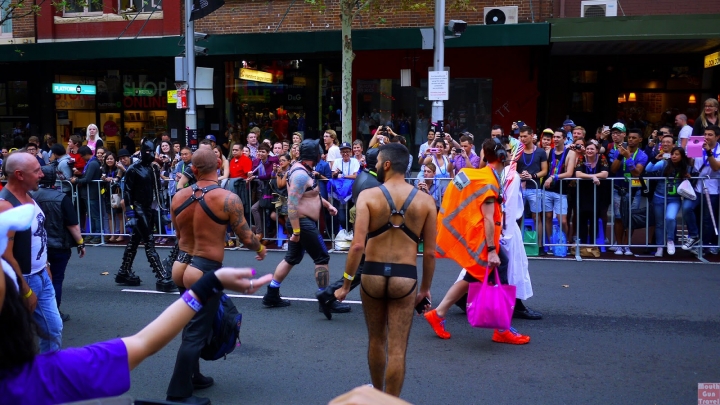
[389, 282]
[366, 179]
[141, 193]
[26, 250]
[63, 231]
[201, 234]
[484, 223]
[304, 204]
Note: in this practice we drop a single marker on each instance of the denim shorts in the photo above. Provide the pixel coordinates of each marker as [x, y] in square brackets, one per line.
[556, 202]
[534, 198]
[635, 204]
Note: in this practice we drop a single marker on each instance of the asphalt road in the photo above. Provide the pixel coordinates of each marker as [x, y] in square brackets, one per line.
[613, 333]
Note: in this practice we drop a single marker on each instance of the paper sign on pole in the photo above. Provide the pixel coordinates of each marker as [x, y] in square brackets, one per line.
[438, 85]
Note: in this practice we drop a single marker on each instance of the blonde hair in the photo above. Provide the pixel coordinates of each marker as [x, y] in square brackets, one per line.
[333, 135]
[703, 118]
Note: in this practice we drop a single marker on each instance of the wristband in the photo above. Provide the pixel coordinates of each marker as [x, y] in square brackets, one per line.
[348, 277]
[261, 249]
[533, 176]
[191, 301]
[28, 294]
[490, 249]
[207, 286]
[555, 177]
[81, 241]
[296, 231]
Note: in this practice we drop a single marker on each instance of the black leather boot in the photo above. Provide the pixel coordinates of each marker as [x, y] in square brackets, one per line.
[125, 275]
[164, 281]
[272, 298]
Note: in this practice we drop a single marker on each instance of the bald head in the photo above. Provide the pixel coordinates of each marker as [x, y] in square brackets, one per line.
[205, 161]
[19, 160]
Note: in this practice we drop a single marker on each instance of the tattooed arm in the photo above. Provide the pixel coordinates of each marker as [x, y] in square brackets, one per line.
[296, 188]
[235, 210]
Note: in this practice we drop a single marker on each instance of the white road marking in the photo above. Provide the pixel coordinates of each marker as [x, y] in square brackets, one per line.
[235, 296]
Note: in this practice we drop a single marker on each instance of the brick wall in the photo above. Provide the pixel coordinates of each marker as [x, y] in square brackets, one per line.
[24, 27]
[245, 16]
[647, 7]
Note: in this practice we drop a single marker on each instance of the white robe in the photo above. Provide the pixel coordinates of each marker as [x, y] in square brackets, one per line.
[511, 240]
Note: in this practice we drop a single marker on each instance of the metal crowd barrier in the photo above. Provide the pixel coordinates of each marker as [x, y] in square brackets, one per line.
[571, 185]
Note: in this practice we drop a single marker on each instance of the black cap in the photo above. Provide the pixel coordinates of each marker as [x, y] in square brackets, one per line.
[123, 153]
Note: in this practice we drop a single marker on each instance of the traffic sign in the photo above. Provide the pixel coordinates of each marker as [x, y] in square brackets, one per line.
[69, 88]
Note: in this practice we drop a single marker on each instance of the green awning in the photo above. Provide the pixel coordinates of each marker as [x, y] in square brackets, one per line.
[657, 27]
[276, 43]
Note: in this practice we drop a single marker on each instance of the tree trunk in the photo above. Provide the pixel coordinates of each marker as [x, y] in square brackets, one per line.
[346, 17]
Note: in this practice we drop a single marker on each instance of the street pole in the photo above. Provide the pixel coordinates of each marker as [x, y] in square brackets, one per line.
[438, 106]
[190, 114]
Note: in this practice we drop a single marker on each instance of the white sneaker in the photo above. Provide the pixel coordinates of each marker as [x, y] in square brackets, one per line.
[618, 250]
[659, 252]
[628, 252]
[670, 247]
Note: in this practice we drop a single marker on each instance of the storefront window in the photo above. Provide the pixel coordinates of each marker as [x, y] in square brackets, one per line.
[407, 110]
[273, 95]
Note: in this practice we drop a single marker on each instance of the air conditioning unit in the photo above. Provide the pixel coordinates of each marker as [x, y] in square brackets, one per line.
[598, 8]
[501, 15]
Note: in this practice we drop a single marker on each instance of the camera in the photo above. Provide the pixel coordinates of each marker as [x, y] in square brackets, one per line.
[458, 150]
[457, 27]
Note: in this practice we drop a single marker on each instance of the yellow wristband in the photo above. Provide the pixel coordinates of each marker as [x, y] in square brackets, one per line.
[349, 277]
[81, 241]
[261, 249]
[296, 231]
[28, 294]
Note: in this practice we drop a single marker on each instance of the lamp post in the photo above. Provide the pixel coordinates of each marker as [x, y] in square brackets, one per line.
[438, 106]
[191, 113]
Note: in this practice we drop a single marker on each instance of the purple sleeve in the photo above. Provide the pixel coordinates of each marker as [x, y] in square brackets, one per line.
[94, 371]
[475, 161]
[642, 159]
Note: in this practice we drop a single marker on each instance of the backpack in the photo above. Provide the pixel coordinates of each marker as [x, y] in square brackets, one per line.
[225, 331]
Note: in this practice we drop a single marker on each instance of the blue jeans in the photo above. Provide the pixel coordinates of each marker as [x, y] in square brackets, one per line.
[670, 214]
[688, 210]
[709, 237]
[95, 215]
[58, 259]
[46, 313]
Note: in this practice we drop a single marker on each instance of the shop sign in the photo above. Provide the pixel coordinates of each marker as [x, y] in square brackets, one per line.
[68, 88]
[172, 96]
[146, 89]
[438, 85]
[367, 86]
[255, 96]
[145, 102]
[255, 75]
[74, 102]
[712, 60]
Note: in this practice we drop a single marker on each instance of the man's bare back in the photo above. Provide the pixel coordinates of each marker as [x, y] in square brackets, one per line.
[309, 203]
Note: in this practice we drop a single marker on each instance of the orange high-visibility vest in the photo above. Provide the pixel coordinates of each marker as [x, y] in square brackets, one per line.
[460, 226]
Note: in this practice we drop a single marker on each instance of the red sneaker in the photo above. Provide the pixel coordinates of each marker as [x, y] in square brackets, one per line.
[437, 323]
[511, 336]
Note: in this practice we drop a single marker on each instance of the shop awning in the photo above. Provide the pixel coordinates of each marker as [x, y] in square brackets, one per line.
[97, 49]
[663, 34]
[276, 43]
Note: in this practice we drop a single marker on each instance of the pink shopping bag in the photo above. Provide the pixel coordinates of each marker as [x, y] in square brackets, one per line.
[490, 306]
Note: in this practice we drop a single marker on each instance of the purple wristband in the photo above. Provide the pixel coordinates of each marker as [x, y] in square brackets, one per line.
[191, 301]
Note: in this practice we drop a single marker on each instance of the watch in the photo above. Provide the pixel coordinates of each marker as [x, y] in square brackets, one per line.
[490, 249]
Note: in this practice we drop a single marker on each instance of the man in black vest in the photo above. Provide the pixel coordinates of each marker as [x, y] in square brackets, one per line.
[27, 250]
[141, 193]
[366, 179]
[61, 225]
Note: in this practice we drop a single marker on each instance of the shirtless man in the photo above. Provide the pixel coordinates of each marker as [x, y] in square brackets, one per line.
[389, 277]
[304, 204]
[201, 214]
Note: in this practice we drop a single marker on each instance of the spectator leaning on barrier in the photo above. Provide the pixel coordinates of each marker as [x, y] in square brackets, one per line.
[708, 169]
[532, 167]
[240, 165]
[593, 168]
[555, 200]
[89, 191]
[666, 201]
[427, 184]
[628, 162]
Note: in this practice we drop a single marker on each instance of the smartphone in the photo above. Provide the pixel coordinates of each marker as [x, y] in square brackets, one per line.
[606, 128]
[419, 308]
[666, 156]
[433, 150]
[624, 144]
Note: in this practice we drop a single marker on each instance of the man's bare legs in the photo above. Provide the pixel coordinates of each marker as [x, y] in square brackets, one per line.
[388, 322]
[282, 270]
